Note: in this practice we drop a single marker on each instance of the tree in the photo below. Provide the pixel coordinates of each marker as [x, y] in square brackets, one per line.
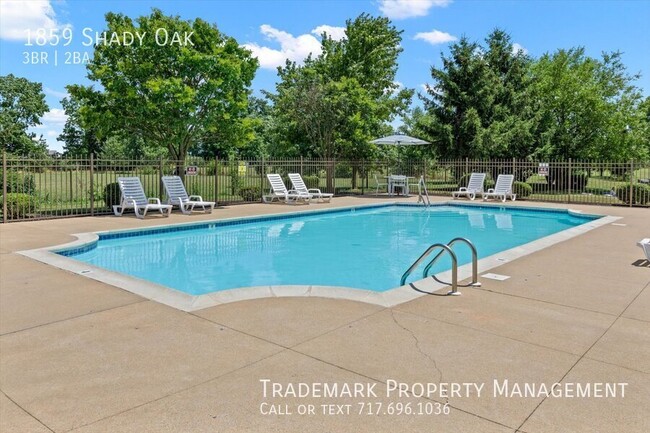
[478, 104]
[22, 104]
[184, 82]
[79, 141]
[588, 108]
[333, 105]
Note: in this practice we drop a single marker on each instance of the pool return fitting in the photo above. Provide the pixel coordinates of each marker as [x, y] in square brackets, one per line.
[454, 264]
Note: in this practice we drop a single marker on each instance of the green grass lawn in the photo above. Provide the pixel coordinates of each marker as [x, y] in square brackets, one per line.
[63, 192]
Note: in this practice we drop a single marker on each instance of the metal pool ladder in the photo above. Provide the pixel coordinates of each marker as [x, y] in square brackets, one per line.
[454, 264]
[422, 187]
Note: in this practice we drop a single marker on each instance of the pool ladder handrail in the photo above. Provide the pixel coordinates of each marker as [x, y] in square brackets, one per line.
[454, 264]
[421, 197]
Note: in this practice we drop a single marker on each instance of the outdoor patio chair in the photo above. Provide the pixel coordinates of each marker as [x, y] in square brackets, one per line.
[502, 189]
[299, 185]
[379, 185]
[177, 195]
[645, 246]
[398, 181]
[279, 191]
[133, 197]
[474, 187]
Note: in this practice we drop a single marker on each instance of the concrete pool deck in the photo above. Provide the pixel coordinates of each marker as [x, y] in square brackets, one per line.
[80, 355]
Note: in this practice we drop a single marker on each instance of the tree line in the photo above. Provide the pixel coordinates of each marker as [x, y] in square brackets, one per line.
[486, 100]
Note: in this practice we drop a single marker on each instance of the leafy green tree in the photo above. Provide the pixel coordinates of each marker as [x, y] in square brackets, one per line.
[79, 141]
[339, 99]
[22, 104]
[415, 123]
[479, 105]
[588, 108]
[259, 114]
[334, 104]
[121, 148]
[172, 95]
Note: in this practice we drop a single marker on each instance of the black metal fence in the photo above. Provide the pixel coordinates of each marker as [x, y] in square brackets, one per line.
[57, 188]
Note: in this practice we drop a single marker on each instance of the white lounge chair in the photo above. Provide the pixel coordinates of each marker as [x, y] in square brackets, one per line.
[177, 195]
[133, 197]
[299, 186]
[474, 187]
[645, 246]
[279, 191]
[502, 189]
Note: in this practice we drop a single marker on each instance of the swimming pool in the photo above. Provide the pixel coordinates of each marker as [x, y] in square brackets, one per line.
[363, 247]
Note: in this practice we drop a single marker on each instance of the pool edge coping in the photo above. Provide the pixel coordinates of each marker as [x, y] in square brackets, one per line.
[389, 298]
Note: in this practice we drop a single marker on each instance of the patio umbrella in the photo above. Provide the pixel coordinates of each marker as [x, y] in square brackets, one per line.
[400, 140]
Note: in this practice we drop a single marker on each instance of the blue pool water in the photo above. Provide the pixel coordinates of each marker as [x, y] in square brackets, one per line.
[368, 248]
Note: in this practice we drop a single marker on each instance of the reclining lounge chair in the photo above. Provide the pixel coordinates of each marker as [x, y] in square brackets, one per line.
[300, 187]
[177, 195]
[133, 197]
[474, 187]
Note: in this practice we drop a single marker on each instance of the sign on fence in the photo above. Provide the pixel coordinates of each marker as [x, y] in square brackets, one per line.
[542, 169]
[192, 170]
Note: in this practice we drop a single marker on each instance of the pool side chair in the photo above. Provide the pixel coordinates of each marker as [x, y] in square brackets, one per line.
[133, 197]
[380, 185]
[645, 246]
[398, 181]
[502, 189]
[474, 187]
[279, 191]
[299, 185]
[177, 196]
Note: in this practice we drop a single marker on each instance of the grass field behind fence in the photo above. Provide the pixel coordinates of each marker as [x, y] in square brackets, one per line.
[73, 189]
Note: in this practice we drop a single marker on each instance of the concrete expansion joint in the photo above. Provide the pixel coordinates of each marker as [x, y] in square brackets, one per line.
[419, 347]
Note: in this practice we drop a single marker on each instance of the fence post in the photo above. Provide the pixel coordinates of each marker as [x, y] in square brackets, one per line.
[4, 186]
[569, 183]
[216, 178]
[466, 165]
[92, 186]
[301, 165]
[262, 177]
[160, 174]
[71, 197]
[631, 181]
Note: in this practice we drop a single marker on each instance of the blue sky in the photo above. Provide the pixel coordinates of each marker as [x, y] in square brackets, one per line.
[276, 30]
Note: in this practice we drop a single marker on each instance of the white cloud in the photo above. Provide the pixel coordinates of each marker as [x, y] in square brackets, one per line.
[291, 47]
[56, 93]
[55, 116]
[16, 17]
[336, 33]
[435, 37]
[400, 9]
[51, 127]
[518, 47]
